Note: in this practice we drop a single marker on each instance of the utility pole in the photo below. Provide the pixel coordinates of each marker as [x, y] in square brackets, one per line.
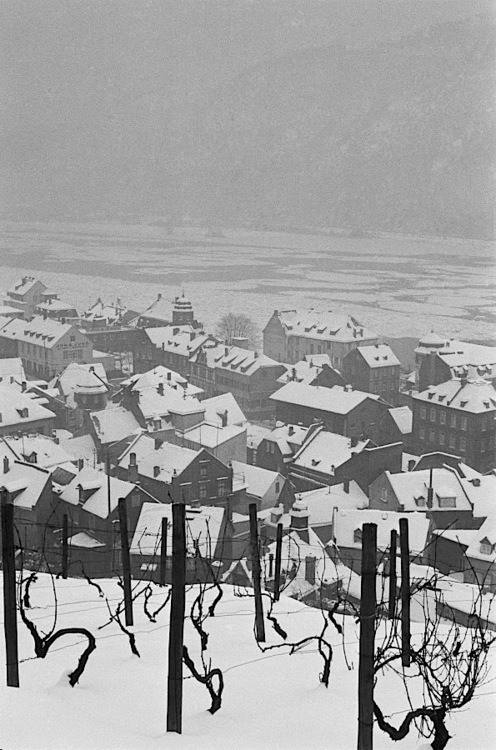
[405, 592]
[277, 573]
[367, 635]
[125, 561]
[392, 574]
[163, 552]
[107, 468]
[255, 573]
[176, 628]
[65, 545]
[9, 590]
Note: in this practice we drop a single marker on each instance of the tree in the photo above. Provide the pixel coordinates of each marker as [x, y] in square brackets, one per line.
[237, 325]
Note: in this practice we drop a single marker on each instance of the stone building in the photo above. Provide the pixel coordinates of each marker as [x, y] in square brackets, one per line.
[374, 369]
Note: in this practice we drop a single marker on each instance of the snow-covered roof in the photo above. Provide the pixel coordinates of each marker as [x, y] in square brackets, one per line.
[349, 521]
[324, 451]
[48, 453]
[203, 525]
[184, 340]
[82, 446]
[378, 355]
[12, 367]
[45, 332]
[87, 378]
[22, 286]
[483, 544]
[85, 540]
[212, 435]
[338, 399]
[225, 403]
[257, 481]
[18, 408]
[114, 424]
[236, 359]
[326, 325]
[473, 396]
[151, 403]
[403, 418]
[320, 502]
[97, 482]
[171, 459]
[306, 370]
[25, 482]
[481, 491]
[410, 489]
[161, 376]
[255, 434]
[289, 437]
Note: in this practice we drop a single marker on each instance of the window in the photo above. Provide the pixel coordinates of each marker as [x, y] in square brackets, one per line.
[203, 490]
[423, 412]
[442, 438]
[186, 492]
[432, 436]
[433, 415]
[463, 444]
[222, 487]
[383, 494]
[203, 468]
[446, 502]
[452, 442]
[422, 433]
[463, 424]
[357, 536]
[442, 417]
[278, 487]
[453, 420]
[486, 548]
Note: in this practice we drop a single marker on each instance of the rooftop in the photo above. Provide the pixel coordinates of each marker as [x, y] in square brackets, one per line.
[257, 481]
[347, 522]
[170, 459]
[45, 332]
[325, 451]
[17, 408]
[96, 482]
[114, 424]
[473, 396]
[25, 482]
[411, 487]
[338, 399]
[378, 355]
[326, 325]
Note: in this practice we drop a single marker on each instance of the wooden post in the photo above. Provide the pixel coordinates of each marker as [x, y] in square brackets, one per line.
[125, 561]
[176, 628]
[163, 552]
[109, 500]
[271, 564]
[277, 573]
[255, 573]
[9, 591]
[405, 592]
[65, 545]
[367, 634]
[392, 575]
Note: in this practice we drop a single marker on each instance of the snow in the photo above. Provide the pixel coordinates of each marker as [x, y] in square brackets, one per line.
[270, 700]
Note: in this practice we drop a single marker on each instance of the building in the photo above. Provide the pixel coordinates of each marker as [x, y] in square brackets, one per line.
[171, 473]
[172, 347]
[25, 295]
[111, 429]
[158, 314]
[261, 486]
[53, 307]
[29, 488]
[107, 315]
[458, 416]
[276, 448]
[12, 371]
[373, 369]
[46, 346]
[21, 413]
[456, 359]
[396, 425]
[313, 370]
[439, 493]
[342, 410]
[291, 335]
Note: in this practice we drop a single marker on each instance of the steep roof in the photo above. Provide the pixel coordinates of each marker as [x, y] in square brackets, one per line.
[306, 370]
[257, 481]
[411, 487]
[171, 459]
[403, 418]
[25, 482]
[203, 526]
[288, 437]
[14, 404]
[210, 436]
[48, 453]
[320, 502]
[472, 396]
[349, 521]
[162, 376]
[114, 424]
[325, 325]
[216, 406]
[336, 400]
[325, 451]
[237, 359]
[97, 481]
[25, 285]
[12, 367]
[183, 340]
[46, 332]
[378, 355]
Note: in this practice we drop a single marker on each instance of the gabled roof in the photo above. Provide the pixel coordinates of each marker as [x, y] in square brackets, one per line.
[25, 482]
[349, 521]
[410, 489]
[257, 481]
[226, 404]
[325, 451]
[14, 404]
[97, 481]
[171, 459]
[210, 436]
[320, 502]
[12, 368]
[235, 358]
[485, 535]
[162, 376]
[49, 454]
[403, 418]
[306, 370]
[25, 285]
[82, 446]
[289, 437]
[335, 400]
[203, 526]
[183, 340]
[45, 332]
[378, 355]
[255, 434]
[153, 404]
[472, 396]
[114, 424]
[325, 325]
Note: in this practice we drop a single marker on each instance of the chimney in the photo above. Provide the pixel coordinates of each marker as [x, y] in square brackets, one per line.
[299, 516]
[411, 464]
[475, 481]
[169, 375]
[132, 469]
[226, 351]
[346, 486]
[310, 569]
[293, 373]
[159, 296]
[24, 385]
[276, 514]
[430, 491]
[156, 471]
[160, 389]
[158, 443]
[80, 464]
[291, 430]
[80, 494]
[223, 418]
[6, 465]
[353, 442]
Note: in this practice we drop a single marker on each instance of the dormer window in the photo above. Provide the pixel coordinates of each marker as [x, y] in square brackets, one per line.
[446, 501]
[420, 502]
[23, 413]
[357, 536]
[486, 548]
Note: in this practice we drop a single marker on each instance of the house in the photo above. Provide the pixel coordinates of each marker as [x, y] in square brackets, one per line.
[161, 377]
[53, 307]
[347, 534]
[373, 369]
[82, 388]
[458, 415]
[342, 410]
[171, 346]
[25, 295]
[172, 473]
[39, 450]
[326, 458]
[438, 363]
[314, 370]
[276, 448]
[111, 429]
[106, 315]
[46, 346]
[292, 334]
[22, 413]
[29, 489]
[396, 426]
[251, 377]
[158, 315]
[438, 493]
[254, 435]
[261, 486]
[207, 542]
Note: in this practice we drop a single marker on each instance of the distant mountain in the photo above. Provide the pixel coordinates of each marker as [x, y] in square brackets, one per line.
[399, 137]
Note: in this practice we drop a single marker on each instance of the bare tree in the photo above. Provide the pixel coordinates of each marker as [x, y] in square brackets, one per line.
[237, 325]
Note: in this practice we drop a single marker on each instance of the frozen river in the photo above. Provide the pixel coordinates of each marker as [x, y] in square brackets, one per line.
[400, 286]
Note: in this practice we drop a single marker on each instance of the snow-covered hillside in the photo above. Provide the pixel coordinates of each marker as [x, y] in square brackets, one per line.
[270, 700]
